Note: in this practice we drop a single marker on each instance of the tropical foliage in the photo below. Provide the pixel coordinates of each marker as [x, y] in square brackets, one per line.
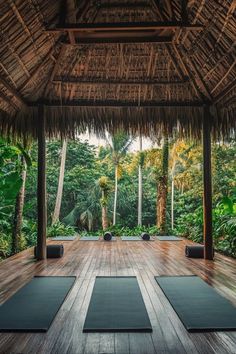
[94, 175]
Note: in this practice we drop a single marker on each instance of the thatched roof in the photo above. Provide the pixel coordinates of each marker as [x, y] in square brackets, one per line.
[107, 64]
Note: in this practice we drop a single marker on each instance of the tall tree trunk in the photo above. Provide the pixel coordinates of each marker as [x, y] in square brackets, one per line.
[18, 215]
[104, 212]
[140, 186]
[57, 208]
[163, 188]
[172, 201]
[116, 192]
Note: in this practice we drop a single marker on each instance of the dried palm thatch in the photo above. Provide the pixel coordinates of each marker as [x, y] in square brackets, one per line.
[88, 82]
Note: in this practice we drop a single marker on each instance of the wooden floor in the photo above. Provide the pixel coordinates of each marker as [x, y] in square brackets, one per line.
[86, 259]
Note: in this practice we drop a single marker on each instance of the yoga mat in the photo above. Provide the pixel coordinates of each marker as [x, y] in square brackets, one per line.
[131, 238]
[112, 239]
[89, 238]
[117, 305]
[33, 307]
[63, 238]
[168, 238]
[199, 306]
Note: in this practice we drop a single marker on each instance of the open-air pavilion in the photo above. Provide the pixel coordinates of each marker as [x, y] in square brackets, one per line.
[152, 67]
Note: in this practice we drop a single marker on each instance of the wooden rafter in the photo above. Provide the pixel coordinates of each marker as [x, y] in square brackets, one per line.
[225, 75]
[83, 10]
[82, 81]
[170, 9]
[112, 103]
[175, 63]
[200, 78]
[122, 26]
[184, 12]
[159, 10]
[62, 12]
[24, 25]
[186, 69]
[8, 101]
[54, 70]
[39, 67]
[225, 92]
[121, 40]
[12, 91]
[119, 5]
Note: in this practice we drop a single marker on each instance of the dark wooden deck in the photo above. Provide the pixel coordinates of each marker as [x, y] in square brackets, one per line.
[86, 259]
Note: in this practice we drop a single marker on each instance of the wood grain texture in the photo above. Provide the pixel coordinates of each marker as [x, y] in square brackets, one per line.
[86, 260]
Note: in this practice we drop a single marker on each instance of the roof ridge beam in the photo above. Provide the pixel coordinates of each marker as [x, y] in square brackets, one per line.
[112, 103]
[80, 81]
[122, 26]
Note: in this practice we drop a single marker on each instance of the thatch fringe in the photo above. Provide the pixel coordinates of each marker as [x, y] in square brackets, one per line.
[70, 121]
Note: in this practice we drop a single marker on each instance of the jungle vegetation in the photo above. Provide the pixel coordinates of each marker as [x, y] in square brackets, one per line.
[91, 189]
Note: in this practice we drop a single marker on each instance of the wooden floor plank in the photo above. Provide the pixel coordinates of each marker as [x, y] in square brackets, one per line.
[88, 259]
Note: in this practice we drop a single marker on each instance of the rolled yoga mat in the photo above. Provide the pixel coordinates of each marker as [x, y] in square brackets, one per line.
[53, 251]
[199, 306]
[195, 251]
[117, 305]
[34, 306]
[145, 236]
[107, 236]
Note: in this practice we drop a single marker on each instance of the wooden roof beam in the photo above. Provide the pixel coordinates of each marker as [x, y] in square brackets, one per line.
[54, 70]
[80, 81]
[225, 92]
[175, 63]
[159, 10]
[67, 13]
[191, 77]
[112, 103]
[8, 101]
[224, 76]
[119, 5]
[184, 11]
[200, 78]
[120, 40]
[122, 26]
[13, 91]
[40, 66]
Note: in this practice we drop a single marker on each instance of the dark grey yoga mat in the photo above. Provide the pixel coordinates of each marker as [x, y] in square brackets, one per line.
[131, 238]
[197, 304]
[89, 238]
[117, 305]
[63, 238]
[33, 307]
[169, 238]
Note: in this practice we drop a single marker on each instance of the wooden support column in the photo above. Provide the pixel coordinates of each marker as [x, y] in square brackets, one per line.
[207, 180]
[41, 192]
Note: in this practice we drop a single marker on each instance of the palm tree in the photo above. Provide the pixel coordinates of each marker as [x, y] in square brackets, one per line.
[57, 208]
[176, 161]
[119, 145]
[140, 182]
[163, 188]
[24, 162]
[104, 185]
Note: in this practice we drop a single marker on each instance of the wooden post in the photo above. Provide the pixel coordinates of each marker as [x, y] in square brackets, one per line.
[207, 179]
[41, 192]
